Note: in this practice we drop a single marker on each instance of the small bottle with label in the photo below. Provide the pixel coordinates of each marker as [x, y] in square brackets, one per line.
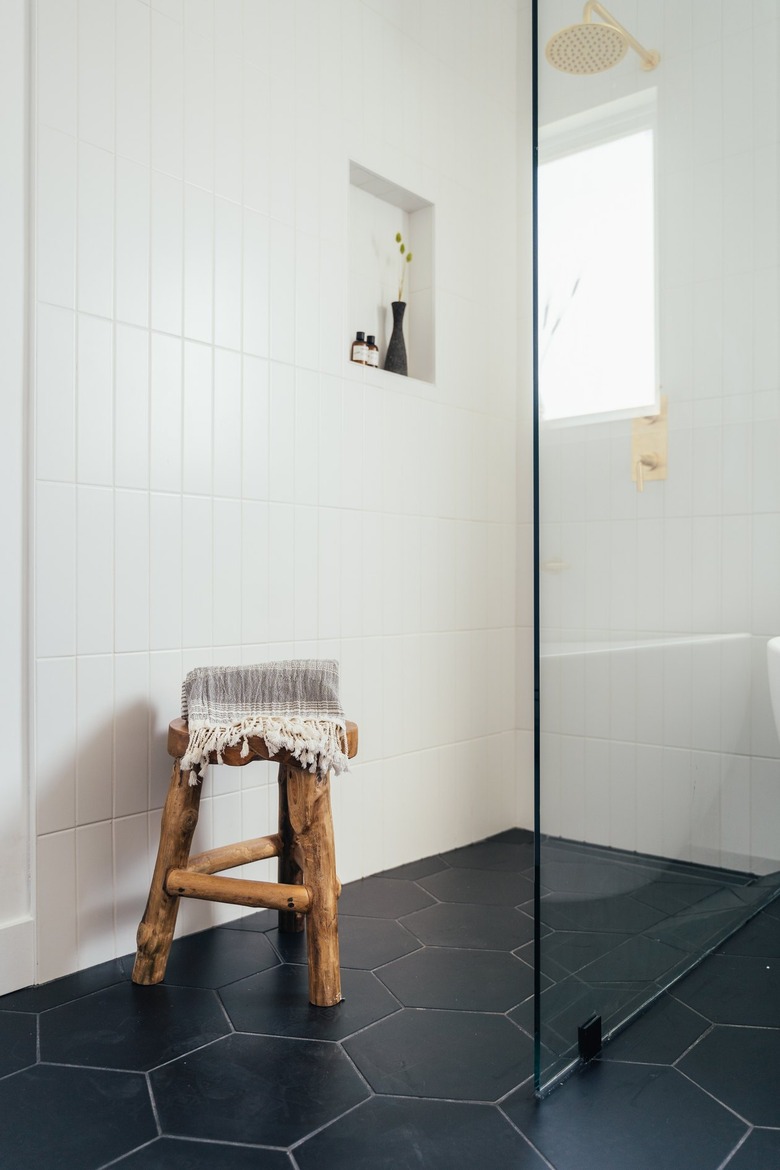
[360, 349]
[373, 351]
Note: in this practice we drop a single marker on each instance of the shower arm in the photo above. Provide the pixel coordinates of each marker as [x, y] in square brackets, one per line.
[649, 57]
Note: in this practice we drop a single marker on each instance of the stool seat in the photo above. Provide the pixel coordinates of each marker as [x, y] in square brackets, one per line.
[178, 738]
[307, 890]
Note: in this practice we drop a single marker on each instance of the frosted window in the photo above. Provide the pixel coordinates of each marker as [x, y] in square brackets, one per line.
[597, 302]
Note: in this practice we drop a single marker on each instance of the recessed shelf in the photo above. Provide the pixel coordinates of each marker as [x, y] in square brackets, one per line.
[378, 208]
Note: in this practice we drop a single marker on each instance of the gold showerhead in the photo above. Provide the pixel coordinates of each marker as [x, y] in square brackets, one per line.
[592, 47]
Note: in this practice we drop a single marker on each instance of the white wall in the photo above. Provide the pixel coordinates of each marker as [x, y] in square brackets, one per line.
[16, 924]
[213, 481]
[676, 753]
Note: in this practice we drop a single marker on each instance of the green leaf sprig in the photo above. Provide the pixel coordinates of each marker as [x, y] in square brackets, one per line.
[406, 258]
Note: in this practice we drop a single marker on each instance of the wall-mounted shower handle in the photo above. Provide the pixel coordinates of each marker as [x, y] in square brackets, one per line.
[650, 461]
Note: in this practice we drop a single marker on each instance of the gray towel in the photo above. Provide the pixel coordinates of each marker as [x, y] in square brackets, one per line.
[292, 705]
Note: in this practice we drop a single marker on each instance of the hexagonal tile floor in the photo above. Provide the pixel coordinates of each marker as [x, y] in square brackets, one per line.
[428, 1060]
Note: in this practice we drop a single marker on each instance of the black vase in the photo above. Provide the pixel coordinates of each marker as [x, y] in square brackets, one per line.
[395, 358]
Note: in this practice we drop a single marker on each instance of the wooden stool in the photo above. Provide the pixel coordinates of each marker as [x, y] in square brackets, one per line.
[307, 887]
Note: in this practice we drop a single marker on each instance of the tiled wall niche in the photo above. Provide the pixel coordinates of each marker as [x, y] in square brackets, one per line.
[378, 209]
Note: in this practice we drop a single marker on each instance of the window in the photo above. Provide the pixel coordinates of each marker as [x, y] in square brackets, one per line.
[597, 264]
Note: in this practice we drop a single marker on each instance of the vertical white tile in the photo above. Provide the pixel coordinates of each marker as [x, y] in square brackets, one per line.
[197, 571]
[133, 35]
[56, 905]
[55, 744]
[307, 436]
[227, 424]
[281, 430]
[197, 419]
[764, 809]
[307, 300]
[55, 236]
[167, 246]
[165, 678]
[282, 292]
[199, 108]
[96, 231]
[256, 571]
[254, 429]
[131, 569]
[766, 574]
[95, 728]
[256, 281]
[165, 571]
[736, 567]
[304, 569]
[55, 562]
[132, 241]
[132, 872]
[227, 274]
[227, 573]
[96, 73]
[95, 571]
[167, 95]
[678, 667]
[165, 414]
[95, 893]
[228, 128]
[56, 38]
[649, 818]
[329, 574]
[281, 555]
[706, 574]
[131, 408]
[256, 144]
[676, 799]
[735, 811]
[55, 394]
[95, 401]
[131, 733]
[198, 264]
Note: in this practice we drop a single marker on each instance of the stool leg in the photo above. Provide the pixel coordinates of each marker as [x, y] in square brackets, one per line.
[308, 799]
[290, 873]
[155, 933]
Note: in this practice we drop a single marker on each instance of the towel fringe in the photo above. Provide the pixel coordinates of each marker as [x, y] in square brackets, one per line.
[319, 745]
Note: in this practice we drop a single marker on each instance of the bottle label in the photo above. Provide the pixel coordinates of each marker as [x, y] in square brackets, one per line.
[373, 357]
[360, 353]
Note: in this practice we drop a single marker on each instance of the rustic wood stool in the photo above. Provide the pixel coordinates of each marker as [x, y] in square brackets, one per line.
[307, 888]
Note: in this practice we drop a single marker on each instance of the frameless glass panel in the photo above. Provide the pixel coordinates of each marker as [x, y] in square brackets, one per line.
[659, 509]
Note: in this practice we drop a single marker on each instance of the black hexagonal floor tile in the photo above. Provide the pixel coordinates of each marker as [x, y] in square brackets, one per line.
[568, 1004]
[261, 1090]
[437, 1135]
[734, 989]
[262, 920]
[381, 897]
[219, 956]
[637, 960]
[660, 1036]
[760, 1151]
[608, 1118]
[58, 991]
[482, 886]
[446, 977]
[18, 1041]
[572, 950]
[464, 1056]
[129, 1027]
[72, 1118]
[459, 924]
[741, 1067]
[501, 855]
[760, 936]
[364, 943]
[618, 915]
[185, 1154]
[276, 1003]
[412, 870]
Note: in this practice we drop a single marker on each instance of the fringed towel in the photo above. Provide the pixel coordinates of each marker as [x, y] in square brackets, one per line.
[292, 705]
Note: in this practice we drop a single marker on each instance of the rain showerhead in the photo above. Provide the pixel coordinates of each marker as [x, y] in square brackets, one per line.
[592, 47]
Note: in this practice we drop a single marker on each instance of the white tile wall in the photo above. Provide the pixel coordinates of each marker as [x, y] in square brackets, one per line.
[699, 554]
[214, 482]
